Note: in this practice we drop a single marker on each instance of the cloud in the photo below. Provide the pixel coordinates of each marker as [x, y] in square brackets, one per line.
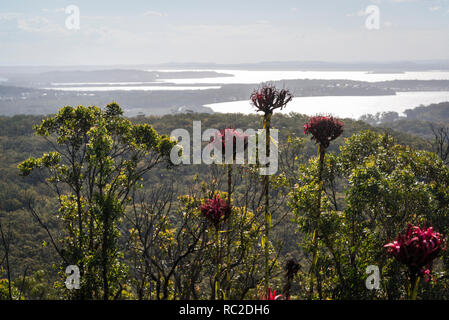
[435, 8]
[8, 16]
[360, 13]
[154, 13]
[38, 24]
[395, 1]
[54, 10]
[33, 24]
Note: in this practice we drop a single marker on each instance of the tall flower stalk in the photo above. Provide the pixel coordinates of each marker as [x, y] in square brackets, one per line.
[229, 138]
[217, 212]
[416, 249]
[228, 233]
[267, 99]
[323, 129]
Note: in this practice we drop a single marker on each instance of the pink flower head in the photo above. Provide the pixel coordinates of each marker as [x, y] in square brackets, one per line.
[215, 210]
[417, 249]
[230, 138]
[324, 129]
[271, 295]
[269, 98]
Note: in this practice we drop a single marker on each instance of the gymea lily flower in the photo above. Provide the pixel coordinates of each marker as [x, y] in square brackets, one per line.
[324, 129]
[417, 249]
[216, 210]
[271, 295]
[269, 98]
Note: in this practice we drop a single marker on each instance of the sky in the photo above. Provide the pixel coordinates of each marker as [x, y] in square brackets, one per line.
[227, 31]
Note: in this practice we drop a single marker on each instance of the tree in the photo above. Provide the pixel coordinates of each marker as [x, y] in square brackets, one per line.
[5, 241]
[441, 142]
[98, 158]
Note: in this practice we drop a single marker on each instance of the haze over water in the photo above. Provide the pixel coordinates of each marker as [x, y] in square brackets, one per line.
[250, 76]
[342, 106]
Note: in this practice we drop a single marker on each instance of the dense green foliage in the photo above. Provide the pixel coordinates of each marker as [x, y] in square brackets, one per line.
[385, 186]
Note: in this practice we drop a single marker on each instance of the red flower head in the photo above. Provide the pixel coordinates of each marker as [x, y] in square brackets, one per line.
[269, 98]
[324, 129]
[231, 138]
[417, 249]
[271, 295]
[216, 210]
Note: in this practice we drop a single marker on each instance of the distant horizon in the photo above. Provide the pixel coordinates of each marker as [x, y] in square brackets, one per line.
[308, 64]
[239, 63]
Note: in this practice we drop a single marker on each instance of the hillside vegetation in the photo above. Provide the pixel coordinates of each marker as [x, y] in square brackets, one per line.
[133, 223]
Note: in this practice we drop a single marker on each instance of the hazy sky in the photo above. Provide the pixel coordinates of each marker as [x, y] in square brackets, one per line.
[227, 31]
